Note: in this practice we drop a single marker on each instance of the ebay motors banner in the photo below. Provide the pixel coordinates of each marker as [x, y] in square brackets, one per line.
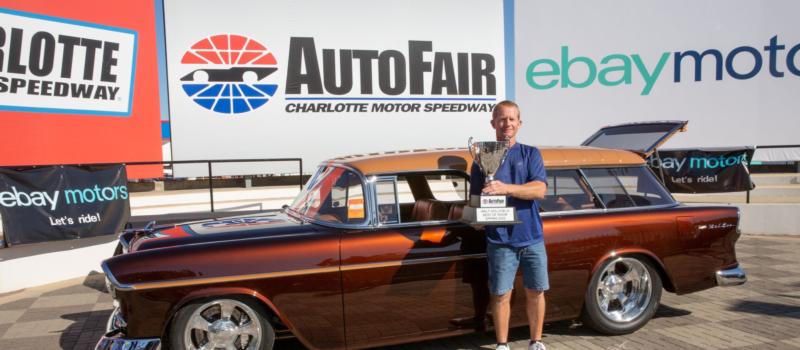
[78, 83]
[729, 67]
[62, 202]
[320, 79]
[704, 170]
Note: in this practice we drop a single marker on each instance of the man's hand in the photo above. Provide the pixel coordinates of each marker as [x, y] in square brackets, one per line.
[533, 190]
[497, 188]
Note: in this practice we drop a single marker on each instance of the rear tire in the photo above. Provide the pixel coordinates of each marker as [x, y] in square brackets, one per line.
[221, 322]
[623, 296]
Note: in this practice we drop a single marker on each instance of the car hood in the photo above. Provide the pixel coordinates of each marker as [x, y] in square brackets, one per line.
[220, 230]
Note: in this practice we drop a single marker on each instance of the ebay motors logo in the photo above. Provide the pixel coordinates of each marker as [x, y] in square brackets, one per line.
[740, 63]
[710, 162]
[227, 72]
[74, 196]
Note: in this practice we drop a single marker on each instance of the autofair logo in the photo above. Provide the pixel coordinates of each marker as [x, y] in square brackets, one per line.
[57, 65]
[227, 73]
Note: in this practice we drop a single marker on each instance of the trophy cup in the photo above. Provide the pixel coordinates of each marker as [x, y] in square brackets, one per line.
[489, 209]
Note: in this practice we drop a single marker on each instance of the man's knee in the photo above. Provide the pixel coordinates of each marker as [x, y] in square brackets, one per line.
[502, 299]
[534, 293]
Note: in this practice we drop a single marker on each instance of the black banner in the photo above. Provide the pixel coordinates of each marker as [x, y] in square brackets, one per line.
[61, 202]
[705, 170]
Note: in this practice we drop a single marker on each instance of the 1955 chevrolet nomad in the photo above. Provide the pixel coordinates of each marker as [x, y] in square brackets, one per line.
[373, 252]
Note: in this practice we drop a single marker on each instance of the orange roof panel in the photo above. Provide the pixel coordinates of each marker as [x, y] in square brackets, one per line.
[460, 159]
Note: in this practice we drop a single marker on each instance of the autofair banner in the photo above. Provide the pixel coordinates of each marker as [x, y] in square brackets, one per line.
[704, 170]
[320, 79]
[62, 202]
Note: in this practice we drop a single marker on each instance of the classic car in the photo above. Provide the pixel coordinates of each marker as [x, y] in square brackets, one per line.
[374, 252]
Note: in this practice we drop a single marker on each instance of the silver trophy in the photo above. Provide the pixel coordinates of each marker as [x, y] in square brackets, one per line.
[489, 155]
[489, 209]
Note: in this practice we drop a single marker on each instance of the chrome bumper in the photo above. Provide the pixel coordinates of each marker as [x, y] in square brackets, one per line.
[113, 339]
[117, 343]
[731, 277]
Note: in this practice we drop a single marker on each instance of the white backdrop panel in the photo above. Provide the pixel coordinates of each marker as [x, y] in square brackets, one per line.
[269, 131]
[761, 110]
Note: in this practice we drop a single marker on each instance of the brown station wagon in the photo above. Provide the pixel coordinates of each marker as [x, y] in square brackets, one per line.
[373, 252]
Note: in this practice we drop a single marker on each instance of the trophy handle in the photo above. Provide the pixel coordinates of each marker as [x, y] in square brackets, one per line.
[471, 148]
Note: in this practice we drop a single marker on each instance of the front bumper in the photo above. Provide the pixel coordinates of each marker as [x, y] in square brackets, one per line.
[731, 277]
[118, 343]
[113, 339]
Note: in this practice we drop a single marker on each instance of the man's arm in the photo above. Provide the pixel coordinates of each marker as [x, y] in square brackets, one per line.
[533, 190]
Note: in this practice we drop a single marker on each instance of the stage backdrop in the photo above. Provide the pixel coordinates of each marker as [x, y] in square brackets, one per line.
[78, 83]
[319, 79]
[730, 67]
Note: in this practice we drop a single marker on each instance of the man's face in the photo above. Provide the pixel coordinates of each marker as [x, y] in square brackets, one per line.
[506, 123]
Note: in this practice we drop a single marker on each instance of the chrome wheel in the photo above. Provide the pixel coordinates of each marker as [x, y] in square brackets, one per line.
[624, 290]
[223, 324]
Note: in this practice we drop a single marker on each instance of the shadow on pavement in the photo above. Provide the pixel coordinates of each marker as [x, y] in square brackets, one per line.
[768, 309]
[85, 331]
[669, 311]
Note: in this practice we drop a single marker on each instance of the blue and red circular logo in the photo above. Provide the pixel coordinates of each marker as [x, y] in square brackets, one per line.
[228, 73]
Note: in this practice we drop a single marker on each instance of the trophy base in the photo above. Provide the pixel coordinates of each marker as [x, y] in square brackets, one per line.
[503, 216]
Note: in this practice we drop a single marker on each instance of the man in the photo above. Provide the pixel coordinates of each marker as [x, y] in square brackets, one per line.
[521, 178]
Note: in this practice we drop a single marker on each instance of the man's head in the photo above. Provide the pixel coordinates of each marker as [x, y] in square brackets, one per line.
[506, 121]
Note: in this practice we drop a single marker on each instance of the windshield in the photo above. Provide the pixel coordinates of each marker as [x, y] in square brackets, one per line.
[332, 195]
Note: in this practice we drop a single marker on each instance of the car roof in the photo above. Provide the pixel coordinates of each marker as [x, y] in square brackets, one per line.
[460, 159]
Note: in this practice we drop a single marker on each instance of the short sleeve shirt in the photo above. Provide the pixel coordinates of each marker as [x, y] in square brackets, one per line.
[523, 164]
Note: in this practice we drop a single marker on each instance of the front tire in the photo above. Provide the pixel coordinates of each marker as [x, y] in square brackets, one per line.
[623, 295]
[221, 323]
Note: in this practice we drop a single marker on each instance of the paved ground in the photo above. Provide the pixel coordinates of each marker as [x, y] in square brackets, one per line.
[762, 314]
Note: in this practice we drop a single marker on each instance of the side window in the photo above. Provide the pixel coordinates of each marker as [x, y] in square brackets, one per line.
[431, 196]
[566, 191]
[448, 187]
[338, 197]
[627, 187]
[608, 187]
[642, 186]
[388, 210]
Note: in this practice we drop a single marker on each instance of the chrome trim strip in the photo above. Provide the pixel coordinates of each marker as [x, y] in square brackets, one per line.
[613, 210]
[394, 263]
[221, 279]
[731, 277]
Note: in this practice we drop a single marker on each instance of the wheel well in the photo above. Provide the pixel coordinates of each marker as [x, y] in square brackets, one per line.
[269, 314]
[666, 282]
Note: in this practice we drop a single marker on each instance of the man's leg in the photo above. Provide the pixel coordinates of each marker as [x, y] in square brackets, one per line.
[503, 263]
[536, 280]
[501, 313]
[535, 307]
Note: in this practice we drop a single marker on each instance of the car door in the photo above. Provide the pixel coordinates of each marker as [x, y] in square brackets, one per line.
[408, 279]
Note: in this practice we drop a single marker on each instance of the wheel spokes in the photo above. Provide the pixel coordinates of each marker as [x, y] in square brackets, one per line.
[226, 310]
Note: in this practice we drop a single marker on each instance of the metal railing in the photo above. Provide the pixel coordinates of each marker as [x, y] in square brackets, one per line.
[171, 163]
[749, 163]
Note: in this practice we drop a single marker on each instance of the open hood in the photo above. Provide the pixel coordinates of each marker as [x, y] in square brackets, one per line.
[642, 137]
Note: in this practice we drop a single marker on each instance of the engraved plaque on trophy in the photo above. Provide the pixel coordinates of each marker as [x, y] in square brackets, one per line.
[489, 209]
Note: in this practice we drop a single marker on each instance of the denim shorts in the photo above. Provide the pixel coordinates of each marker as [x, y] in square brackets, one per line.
[504, 262]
